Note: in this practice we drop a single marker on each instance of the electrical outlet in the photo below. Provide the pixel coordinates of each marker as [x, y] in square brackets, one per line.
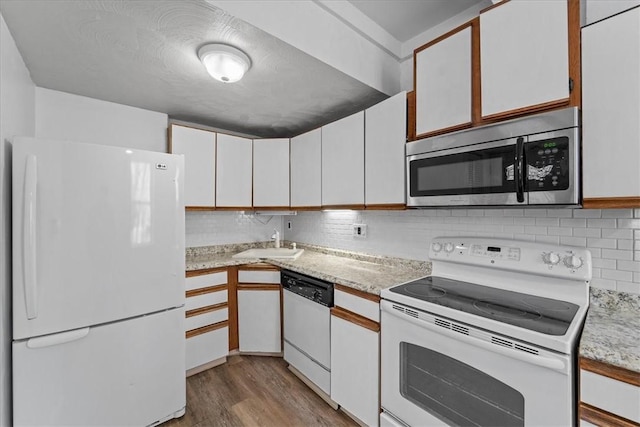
[360, 230]
[289, 225]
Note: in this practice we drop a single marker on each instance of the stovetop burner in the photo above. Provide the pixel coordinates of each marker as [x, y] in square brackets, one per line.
[545, 315]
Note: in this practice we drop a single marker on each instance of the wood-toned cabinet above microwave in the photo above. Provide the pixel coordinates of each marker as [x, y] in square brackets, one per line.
[518, 57]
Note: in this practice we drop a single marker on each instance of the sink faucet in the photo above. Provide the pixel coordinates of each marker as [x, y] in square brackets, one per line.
[276, 237]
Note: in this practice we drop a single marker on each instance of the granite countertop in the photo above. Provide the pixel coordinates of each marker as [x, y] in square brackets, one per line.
[612, 329]
[367, 273]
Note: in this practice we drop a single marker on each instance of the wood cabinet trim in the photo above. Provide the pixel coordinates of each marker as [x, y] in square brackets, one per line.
[206, 309]
[339, 207]
[442, 131]
[603, 418]
[235, 208]
[204, 329]
[355, 318]
[476, 78]
[390, 206]
[518, 112]
[259, 267]
[411, 113]
[436, 41]
[205, 271]
[258, 286]
[232, 298]
[305, 208]
[493, 6]
[200, 208]
[358, 293]
[207, 290]
[273, 208]
[610, 371]
[575, 52]
[611, 202]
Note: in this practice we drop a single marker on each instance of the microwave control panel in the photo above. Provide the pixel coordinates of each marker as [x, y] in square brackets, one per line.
[547, 164]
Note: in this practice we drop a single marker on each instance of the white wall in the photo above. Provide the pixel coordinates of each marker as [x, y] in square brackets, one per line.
[221, 228]
[17, 117]
[612, 236]
[61, 115]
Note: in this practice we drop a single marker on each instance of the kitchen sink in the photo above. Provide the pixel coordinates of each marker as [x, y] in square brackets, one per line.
[274, 253]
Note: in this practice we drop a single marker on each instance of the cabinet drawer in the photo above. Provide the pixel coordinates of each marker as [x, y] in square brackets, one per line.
[203, 300]
[204, 348]
[345, 298]
[204, 319]
[206, 280]
[611, 395]
[253, 276]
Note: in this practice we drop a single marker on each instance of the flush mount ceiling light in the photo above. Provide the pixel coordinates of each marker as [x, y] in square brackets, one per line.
[223, 62]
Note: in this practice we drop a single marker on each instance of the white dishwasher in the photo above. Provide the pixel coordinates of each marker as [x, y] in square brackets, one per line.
[307, 327]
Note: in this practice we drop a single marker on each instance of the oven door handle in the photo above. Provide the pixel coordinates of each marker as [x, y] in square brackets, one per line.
[543, 361]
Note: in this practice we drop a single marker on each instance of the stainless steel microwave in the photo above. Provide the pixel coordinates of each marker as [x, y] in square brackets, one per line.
[531, 161]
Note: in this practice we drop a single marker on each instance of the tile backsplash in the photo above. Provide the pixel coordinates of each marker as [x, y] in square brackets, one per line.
[612, 235]
[221, 228]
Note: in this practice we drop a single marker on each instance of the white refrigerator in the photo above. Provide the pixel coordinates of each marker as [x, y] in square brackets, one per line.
[98, 285]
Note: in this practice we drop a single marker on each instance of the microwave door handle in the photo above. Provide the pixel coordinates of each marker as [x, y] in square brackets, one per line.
[519, 161]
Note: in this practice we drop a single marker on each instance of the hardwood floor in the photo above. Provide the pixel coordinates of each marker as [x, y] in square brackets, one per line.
[254, 391]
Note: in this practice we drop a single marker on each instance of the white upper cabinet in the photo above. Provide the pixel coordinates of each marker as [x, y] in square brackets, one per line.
[443, 82]
[343, 162]
[199, 150]
[233, 172]
[306, 173]
[385, 136]
[271, 172]
[524, 49]
[611, 109]
[601, 9]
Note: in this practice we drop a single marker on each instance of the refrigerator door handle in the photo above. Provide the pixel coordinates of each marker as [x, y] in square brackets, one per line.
[55, 339]
[29, 237]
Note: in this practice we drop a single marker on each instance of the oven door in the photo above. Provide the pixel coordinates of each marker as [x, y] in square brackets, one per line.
[436, 372]
[483, 175]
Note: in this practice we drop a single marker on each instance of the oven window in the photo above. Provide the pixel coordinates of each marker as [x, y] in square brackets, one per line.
[458, 394]
[475, 172]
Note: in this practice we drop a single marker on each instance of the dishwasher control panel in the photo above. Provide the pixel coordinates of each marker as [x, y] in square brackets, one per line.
[309, 287]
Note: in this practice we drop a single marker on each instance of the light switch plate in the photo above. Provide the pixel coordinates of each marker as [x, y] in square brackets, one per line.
[360, 230]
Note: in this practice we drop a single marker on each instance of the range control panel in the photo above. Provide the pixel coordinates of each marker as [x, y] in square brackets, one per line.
[522, 256]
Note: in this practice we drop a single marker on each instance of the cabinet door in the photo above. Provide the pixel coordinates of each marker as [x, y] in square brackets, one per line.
[611, 107]
[259, 321]
[343, 162]
[524, 49]
[306, 174]
[271, 173]
[443, 83]
[234, 172]
[385, 136]
[199, 150]
[355, 360]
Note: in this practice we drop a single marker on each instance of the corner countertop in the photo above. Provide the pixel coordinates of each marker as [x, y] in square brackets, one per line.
[611, 332]
[367, 273]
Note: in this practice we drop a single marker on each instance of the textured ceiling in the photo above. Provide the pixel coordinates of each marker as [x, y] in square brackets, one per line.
[405, 19]
[143, 53]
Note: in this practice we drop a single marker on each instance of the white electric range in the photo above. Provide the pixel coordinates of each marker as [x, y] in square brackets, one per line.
[488, 339]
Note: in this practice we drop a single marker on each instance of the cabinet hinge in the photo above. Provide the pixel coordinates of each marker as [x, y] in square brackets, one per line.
[570, 85]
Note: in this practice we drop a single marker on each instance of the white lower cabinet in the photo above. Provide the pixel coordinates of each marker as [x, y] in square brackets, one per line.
[355, 354]
[206, 323]
[259, 324]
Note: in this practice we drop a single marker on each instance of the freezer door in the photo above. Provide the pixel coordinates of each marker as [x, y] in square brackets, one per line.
[128, 373]
[98, 235]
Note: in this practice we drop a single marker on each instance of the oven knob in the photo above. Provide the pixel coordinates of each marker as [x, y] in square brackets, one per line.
[437, 247]
[448, 247]
[551, 258]
[573, 261]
